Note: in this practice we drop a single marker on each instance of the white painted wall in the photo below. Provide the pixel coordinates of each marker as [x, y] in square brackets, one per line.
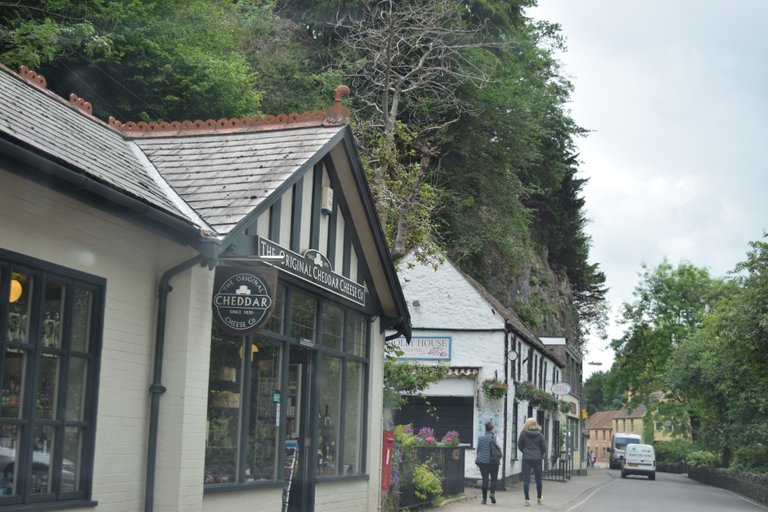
[44, 224]
[449, 305]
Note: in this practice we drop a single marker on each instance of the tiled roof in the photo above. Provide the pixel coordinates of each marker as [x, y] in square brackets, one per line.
[224, 177]
[64, 132]
[601, 420]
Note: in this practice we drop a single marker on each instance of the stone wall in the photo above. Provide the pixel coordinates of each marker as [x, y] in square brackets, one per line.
[746, 484]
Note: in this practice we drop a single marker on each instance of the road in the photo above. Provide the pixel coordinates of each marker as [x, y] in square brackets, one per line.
[668, 492]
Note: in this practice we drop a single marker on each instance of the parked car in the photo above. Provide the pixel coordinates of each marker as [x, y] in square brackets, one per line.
[639, 459]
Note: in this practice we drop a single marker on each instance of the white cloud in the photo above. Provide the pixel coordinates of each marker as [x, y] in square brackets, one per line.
[674, 96]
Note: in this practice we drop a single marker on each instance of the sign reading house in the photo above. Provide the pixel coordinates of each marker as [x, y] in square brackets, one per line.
[314, 268]
[242, 300]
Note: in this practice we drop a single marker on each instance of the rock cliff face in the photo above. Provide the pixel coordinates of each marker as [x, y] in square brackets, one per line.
[543, 300]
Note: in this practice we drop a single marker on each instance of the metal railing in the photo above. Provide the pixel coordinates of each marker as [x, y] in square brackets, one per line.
[560, 470]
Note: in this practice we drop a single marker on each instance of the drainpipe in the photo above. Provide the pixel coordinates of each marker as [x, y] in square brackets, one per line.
[506, 381]
[156, 388]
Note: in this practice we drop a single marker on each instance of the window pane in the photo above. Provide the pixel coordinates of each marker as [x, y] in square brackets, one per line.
[332, 325]
[47, 385]
[277, 320]
[41, 461]
[353, 425]
[13, 382]
[357, 334]
[78, 371]
[70, 467]
[262, 437]
[81, 319]
[9, 442]
[330, 398]
[223, 409]
[303, 316]
[53, 313]
[19, 307]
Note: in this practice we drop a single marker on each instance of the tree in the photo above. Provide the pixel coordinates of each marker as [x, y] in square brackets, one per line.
[170, 60]
[670, 304]
[601, 393]
[406, 61]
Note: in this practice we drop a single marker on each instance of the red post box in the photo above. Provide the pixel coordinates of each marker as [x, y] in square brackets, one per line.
[387, 453]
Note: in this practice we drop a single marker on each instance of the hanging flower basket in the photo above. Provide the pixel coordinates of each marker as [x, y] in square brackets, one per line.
[493, 389]
[527, 392]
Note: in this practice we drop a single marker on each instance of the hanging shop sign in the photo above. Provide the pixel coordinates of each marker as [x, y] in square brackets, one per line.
[424, 347]
[242, 299]
[560, 388]
[314, 268]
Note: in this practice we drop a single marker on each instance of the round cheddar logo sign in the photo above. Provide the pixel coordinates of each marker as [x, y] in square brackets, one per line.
[242, 302]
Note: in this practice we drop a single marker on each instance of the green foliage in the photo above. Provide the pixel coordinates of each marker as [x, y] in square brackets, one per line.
[670, 452]
[405, 378]
[753, 458]
[602, 392]
[702, 459]
[426, 482]
[169, 60]
[670, 304]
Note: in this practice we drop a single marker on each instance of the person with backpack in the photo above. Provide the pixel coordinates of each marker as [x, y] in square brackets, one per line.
[487, 459]
[531, 442]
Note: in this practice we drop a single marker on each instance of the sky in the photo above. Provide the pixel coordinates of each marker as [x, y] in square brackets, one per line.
[675, 96]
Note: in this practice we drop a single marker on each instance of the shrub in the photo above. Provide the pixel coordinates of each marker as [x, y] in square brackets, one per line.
[426, 482]
[702, 459]
[752, 458]
[671, 452]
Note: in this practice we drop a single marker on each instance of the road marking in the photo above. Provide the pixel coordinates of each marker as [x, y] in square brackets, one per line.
[589, 496]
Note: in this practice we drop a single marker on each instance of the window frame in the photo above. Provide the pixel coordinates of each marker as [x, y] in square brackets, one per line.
[35, 349]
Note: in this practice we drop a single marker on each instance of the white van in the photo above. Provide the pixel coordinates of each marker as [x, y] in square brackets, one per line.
[639, 459]
[618, 445]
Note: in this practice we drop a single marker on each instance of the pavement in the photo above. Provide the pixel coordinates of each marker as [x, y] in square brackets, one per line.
[557, 496]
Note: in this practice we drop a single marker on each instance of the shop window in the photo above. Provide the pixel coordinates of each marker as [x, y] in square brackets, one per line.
[262, 452]
[357, 334]
[224, 398]
[49, 358]
[276, 321]
[353, 418]
[303, 316]
[242, 367]
[330, 418]
[332, 325]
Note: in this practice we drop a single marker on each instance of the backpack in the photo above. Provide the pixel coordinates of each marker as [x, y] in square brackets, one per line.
[495, 452]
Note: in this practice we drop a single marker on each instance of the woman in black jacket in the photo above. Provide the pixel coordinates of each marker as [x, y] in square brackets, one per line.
[531, 442]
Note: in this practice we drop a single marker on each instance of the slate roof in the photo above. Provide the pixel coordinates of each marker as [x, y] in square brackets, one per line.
[49, 126]
[226, 177]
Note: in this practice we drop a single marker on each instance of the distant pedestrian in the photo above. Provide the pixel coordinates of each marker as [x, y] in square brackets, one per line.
[531, 442]
[489, 469]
